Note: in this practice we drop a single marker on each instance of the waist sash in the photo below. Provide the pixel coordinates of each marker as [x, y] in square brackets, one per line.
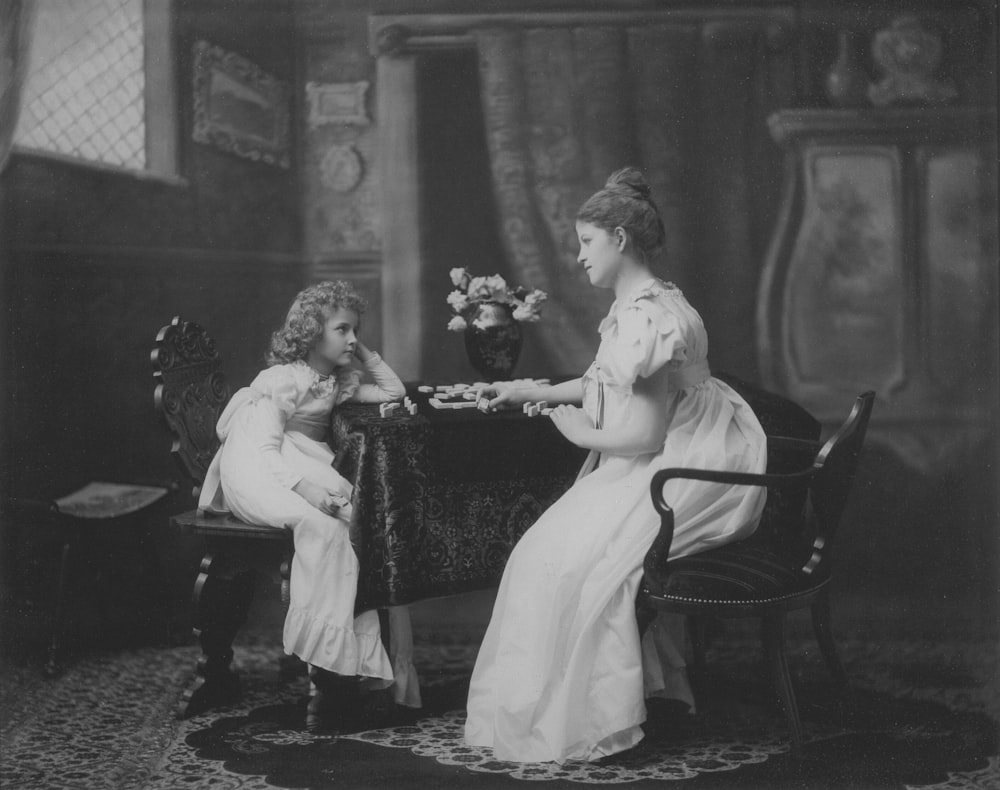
[689, 376]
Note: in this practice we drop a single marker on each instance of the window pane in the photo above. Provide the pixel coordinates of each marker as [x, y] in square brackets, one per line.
[84, 92]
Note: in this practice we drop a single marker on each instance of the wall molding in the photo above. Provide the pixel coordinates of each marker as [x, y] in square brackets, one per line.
[79, 255]
[392, 34]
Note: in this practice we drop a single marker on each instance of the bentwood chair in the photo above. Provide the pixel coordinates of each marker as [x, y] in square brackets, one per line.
[191, 392]
[784, 566]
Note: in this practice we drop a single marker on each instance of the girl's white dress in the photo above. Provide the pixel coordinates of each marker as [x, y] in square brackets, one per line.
[561, 674]
[273, 435]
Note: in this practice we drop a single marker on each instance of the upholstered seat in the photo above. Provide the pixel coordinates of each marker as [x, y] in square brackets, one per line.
[733, 575]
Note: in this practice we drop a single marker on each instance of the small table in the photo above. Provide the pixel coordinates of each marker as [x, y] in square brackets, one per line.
[441, 497]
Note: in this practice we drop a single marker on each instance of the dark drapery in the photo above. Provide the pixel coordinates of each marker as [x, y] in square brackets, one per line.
[15, 27]
[566, 106]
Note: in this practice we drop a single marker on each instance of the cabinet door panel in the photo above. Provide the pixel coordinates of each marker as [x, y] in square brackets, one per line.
[959, 288]
[845, 289]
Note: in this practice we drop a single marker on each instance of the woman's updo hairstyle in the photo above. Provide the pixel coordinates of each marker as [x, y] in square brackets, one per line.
[627, 202]
[307, 316]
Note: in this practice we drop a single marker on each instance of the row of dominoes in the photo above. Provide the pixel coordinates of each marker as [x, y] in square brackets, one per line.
[437, 403]
[386, 409]
[534, 409]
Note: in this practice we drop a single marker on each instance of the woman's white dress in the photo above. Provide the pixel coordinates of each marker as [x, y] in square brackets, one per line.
[561, 674]
[272, 435]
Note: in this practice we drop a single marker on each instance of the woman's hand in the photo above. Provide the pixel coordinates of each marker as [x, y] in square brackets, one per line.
[504, 396]
[323, 499]
[572, 422]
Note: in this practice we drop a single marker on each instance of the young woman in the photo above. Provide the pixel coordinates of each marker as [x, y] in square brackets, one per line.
[561, 674]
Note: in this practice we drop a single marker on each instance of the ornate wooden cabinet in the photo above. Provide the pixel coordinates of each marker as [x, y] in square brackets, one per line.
[882, 272]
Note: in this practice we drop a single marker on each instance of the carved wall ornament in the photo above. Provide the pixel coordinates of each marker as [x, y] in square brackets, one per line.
[339, 102]
[390, 40]
[908, 55]
[341, 168]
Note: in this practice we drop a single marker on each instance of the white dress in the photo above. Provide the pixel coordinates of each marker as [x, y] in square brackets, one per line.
[272, 435]
[561, 674]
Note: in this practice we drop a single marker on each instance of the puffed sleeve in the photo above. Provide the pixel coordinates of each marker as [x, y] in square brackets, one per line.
[266, 405]
[648, 336]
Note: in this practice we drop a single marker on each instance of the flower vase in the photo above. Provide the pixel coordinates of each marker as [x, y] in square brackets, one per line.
[493, 340]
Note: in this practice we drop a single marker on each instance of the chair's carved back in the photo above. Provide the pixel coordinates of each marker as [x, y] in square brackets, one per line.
[191, 392]
[835, 468]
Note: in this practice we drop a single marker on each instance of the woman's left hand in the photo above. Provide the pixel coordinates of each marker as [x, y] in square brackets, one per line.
[572, 422]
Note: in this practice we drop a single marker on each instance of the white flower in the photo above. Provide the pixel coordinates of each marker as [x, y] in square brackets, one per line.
[457, 324]
[459, 301]
[525, 313]
[459, 278]
[497, 286]
[479, 289]
[535, 298]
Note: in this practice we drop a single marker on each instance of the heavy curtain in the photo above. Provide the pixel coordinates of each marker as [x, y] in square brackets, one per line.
[566, 106]
[15, 27]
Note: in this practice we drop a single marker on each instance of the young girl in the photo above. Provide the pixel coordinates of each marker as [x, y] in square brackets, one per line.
[274, 468]
[561, 674]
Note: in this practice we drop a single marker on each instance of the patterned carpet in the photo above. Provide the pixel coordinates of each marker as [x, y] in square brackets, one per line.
[922, 714]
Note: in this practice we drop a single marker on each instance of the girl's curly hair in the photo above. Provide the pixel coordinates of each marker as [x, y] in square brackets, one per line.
[307, 316]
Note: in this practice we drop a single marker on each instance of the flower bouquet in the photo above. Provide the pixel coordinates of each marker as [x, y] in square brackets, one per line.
[472, 292]
[489, 310]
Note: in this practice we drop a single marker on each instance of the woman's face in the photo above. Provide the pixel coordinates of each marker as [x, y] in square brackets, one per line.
[600, 254]
[337, 343]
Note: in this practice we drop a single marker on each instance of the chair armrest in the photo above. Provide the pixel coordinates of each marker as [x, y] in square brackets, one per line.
[794, 443]
[659, 552]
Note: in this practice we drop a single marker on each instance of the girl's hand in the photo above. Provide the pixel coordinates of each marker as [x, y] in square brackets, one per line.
[362, 352]
[323, 499]
[572, 422]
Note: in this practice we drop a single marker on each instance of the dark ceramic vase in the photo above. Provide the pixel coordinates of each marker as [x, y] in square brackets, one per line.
[493, 340]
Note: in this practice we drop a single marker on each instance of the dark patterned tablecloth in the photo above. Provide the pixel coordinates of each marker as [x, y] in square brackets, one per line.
[441, 497]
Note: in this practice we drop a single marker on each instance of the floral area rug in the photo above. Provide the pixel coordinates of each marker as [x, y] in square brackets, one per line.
[921, 715]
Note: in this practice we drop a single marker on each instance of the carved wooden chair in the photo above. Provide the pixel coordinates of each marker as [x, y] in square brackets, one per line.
[784, 566]
[191, 392]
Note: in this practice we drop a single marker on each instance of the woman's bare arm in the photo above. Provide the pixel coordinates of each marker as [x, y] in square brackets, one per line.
[644, 430]
[511, 396]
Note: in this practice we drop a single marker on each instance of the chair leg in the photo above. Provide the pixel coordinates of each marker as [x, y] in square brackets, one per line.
[824, 636]
[222, 596]
[52, 666]
[774, 644]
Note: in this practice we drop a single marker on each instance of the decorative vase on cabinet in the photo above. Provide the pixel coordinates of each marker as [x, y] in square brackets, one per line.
[847, 81]
[881, 271]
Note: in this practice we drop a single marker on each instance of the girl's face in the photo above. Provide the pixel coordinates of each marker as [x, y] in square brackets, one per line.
[600, 254]
[337, 343]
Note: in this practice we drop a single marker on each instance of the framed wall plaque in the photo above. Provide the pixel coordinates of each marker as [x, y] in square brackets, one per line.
[239, 108]
[338, 103]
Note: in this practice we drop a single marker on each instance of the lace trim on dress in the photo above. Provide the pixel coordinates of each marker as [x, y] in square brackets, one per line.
[319, 385]
[344, 381]
[641, 297]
